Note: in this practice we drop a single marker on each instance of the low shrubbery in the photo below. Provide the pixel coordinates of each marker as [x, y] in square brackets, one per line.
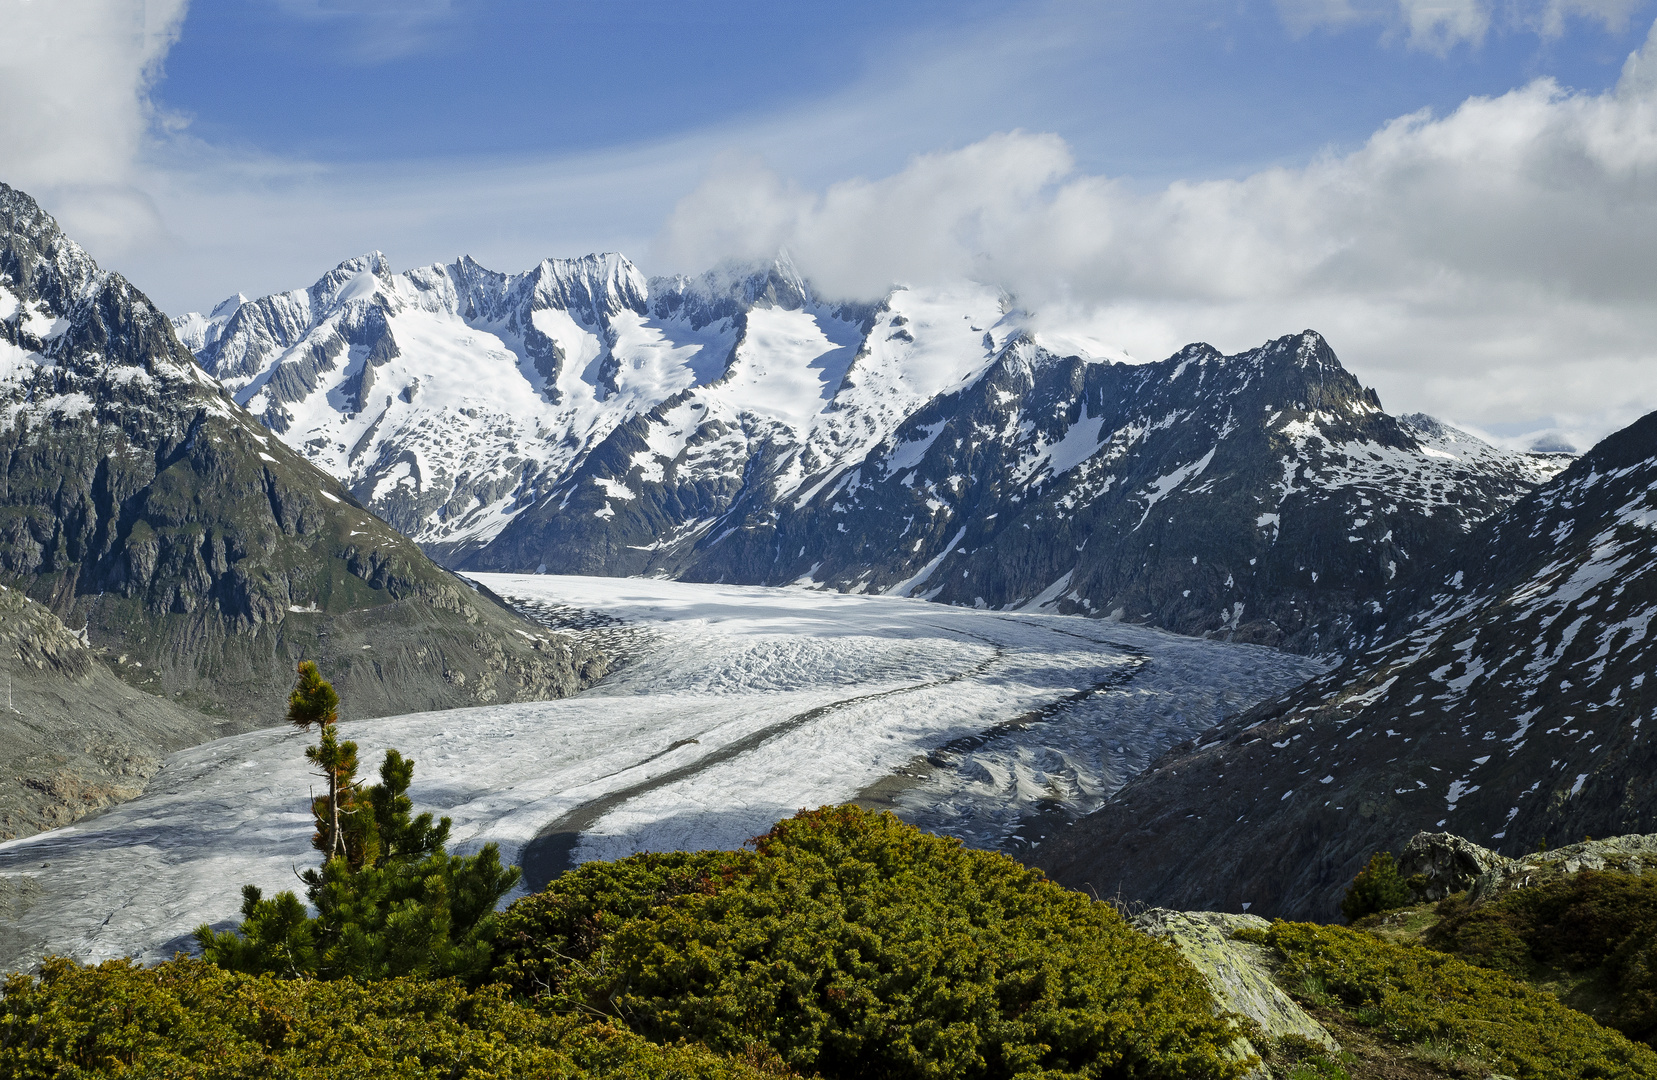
[857, 946]
[1598, 926]
[191, 1019]
[844, 944]
[1425, 998]
[1376, 888]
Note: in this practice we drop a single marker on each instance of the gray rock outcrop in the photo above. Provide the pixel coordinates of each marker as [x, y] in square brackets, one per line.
[74, 738]
[1632, 854]
[1438, 864]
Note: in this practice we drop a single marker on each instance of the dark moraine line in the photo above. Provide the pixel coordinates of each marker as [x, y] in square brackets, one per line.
[551, 851]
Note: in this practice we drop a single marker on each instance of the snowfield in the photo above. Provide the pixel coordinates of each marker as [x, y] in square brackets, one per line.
[736, 706]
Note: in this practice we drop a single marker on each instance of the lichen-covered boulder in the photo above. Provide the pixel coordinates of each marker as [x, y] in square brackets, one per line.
[1239, 973]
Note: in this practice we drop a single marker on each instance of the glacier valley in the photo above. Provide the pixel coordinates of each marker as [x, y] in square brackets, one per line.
[735, 706]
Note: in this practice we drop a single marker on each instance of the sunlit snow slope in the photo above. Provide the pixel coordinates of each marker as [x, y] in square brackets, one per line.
[450, 397]
[740, 706]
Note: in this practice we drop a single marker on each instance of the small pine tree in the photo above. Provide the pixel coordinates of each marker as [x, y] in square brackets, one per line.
[1376, 888]
[344, 819]
[389, 899]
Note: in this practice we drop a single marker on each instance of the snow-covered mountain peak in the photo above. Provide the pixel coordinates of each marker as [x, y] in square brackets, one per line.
[198, 331]
[602, 285]
[57, 256]
[1312, 351]
[443, 393]
[732, 288]
[72, 335]
[734, 425]
[360, 279]
[1441, 440]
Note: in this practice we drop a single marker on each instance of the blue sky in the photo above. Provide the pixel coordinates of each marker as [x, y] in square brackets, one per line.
[1461, 194]
[1148, 91]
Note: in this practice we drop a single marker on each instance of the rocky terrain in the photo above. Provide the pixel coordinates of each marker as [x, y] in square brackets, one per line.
[200, 556]
[579, 418]
[74, 738]
[1508, 707]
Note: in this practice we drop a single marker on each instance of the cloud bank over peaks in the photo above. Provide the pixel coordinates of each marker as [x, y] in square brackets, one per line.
[1491, 266]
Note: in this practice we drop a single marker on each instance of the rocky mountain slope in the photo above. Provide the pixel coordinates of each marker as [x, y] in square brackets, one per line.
[201, 556]
[74, 738]
[579, 418]
[1509, 709]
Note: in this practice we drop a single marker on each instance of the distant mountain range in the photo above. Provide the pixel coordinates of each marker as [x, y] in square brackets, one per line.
[579, 418]
[1490, 608]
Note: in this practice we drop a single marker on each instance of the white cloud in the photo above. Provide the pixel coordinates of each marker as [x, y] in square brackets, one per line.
[378, 30]
[1439, 25]
[1302, 16]
[85, 69]
[1492, 266]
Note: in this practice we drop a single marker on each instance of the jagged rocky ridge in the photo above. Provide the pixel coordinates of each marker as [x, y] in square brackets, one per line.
[201, 556]
[1509, 707]
[581, 419]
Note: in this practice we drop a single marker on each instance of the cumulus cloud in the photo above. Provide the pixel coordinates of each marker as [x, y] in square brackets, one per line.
[1437, 25]
[1493, 264]
[85, 69]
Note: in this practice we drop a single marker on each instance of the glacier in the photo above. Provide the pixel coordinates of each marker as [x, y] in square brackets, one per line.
[735, 706]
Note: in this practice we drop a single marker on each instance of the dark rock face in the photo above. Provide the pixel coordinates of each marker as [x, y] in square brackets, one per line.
[204, 557]
[1263, 497]
[1513, 705]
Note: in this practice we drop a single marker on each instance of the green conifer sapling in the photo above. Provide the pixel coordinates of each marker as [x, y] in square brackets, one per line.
[389, 899]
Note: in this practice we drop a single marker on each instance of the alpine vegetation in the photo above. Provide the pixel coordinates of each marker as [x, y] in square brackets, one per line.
[389, 899]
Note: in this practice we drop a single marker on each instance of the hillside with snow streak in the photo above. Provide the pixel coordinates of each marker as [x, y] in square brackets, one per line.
[1516, 706]
[579, 418]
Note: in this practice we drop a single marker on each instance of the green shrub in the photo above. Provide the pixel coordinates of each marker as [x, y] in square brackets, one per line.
[1418, 996]
[1599, 924]
[1299, 1058]
[858, 946]
[191, 1019]
[1376, 888]
[1318, 1068]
